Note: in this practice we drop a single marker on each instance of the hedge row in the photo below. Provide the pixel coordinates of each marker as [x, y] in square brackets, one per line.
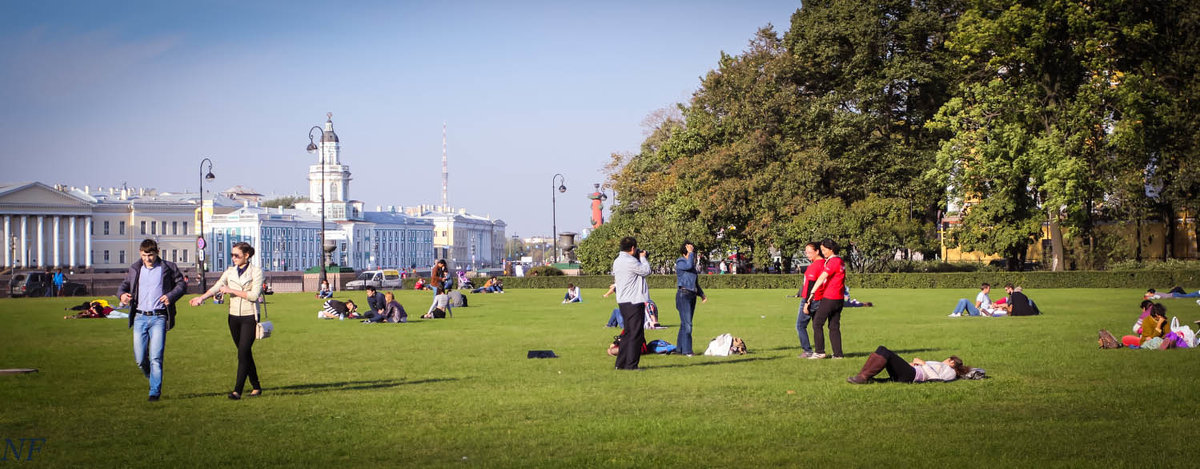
[1161, 280]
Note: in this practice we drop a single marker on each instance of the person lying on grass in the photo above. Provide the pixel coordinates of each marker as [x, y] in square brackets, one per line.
[1177, 292]
[335, 309]
[902, 371]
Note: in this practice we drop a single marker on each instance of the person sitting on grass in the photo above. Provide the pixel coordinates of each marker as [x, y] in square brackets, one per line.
[1018, 304]
[440, 308]
[324, 292]
[488, 287]
[982, 301]
[375, 302]
[1155, 325]
[335, 309]
[902, 371]
[392, 311]
[420, 285]
[1137, 325]
[1177, 292]
[573, 294]
[651, 316]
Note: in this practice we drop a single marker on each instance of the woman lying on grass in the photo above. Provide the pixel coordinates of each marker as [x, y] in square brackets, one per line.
[917, 371]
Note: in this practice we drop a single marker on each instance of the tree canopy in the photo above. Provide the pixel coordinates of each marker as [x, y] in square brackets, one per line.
[863, 119]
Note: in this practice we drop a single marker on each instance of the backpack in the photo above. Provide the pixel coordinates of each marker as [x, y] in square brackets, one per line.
[1107, 341]
[660, 346]
[457, 299]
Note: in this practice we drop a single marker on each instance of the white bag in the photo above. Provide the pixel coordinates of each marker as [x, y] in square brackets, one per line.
[264, 327]
[1184, 331]
[719, 347]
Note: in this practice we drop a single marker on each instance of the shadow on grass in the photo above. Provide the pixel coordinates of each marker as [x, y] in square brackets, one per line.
[302, 389]
[900, 352]
[722, 362]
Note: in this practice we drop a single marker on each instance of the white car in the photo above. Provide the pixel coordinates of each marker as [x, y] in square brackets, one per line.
[380, 279]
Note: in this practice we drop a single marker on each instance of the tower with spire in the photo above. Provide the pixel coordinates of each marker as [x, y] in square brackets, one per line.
[336, 178]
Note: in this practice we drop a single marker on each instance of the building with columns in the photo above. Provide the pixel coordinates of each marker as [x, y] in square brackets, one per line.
[464, 240]
[101, 230]
[45, 227]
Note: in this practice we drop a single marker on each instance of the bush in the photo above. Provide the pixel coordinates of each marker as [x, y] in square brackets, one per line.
[543, 271]
[1170, 264]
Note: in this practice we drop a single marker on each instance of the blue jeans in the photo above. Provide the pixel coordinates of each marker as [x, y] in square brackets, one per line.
[685, 302]
[968, 306]
[803, 317]
[149, 339]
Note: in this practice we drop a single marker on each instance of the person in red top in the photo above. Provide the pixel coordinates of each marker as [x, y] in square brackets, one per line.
[808, 301]
[828, 290]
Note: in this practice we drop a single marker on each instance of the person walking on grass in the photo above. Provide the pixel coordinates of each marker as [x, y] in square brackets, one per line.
[808, 299]
[829, 285]
[150, 288]
[687, 289]
[630, 269]
[243, 283]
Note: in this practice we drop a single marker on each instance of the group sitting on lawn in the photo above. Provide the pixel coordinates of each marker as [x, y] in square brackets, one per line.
[1015, 304]
[1154, 331]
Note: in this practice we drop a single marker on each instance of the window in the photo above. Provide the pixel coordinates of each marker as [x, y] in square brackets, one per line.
[174, 227]
[174, 255]
[164, 227]
[106, 256]
[121, 226]
[106, 227]
[185, 231]
[153, 228]
[143, 227]
[185, 255]
[122, 256]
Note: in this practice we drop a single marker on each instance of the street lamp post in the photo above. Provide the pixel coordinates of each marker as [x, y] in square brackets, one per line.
[312, 148]
[201, 245]
[554, 209]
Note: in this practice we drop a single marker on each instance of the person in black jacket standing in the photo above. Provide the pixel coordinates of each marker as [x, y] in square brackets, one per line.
[151, 288]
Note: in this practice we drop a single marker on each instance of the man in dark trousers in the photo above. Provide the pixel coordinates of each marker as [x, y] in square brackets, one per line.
[151, 288]
[629, 275]
[375, 301]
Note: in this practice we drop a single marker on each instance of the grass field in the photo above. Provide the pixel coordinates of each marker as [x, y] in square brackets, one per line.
[460, 392]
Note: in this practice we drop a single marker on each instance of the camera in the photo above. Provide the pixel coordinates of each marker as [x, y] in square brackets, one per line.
[643, 252]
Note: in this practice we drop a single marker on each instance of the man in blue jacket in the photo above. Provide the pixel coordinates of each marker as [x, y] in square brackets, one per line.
[151, 288]
[686, 273]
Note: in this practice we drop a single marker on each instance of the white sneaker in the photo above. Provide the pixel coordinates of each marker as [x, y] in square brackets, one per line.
[1198, 302]
[955, 315]
[816, 356]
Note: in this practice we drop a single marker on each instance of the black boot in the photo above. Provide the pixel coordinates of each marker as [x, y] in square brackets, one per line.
[875, 363]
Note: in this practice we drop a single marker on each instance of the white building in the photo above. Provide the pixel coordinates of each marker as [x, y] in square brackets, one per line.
[289, 239]
[464, 240]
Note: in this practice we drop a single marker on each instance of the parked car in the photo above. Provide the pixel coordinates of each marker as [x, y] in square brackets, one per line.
[380, 279]
[34, 283]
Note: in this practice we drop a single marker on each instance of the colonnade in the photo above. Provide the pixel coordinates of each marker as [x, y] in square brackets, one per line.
[42, 241]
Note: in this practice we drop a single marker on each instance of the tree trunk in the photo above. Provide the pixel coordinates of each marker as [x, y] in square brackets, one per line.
[1169, 219]
[1056, 243]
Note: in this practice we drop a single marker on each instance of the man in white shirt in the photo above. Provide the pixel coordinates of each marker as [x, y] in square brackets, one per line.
[982, 303]
[629, 274]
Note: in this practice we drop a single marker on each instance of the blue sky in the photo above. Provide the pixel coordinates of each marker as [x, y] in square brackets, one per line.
[138, 92]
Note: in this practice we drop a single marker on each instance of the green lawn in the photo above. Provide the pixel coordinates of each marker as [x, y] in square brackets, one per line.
[461, 392]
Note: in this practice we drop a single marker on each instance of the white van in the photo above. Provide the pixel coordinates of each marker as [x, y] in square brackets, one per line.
[380, 279]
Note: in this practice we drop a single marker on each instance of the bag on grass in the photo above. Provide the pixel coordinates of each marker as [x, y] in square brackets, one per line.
[1187, 336]
[1107, 341]
[719, 346]
[660, 346]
